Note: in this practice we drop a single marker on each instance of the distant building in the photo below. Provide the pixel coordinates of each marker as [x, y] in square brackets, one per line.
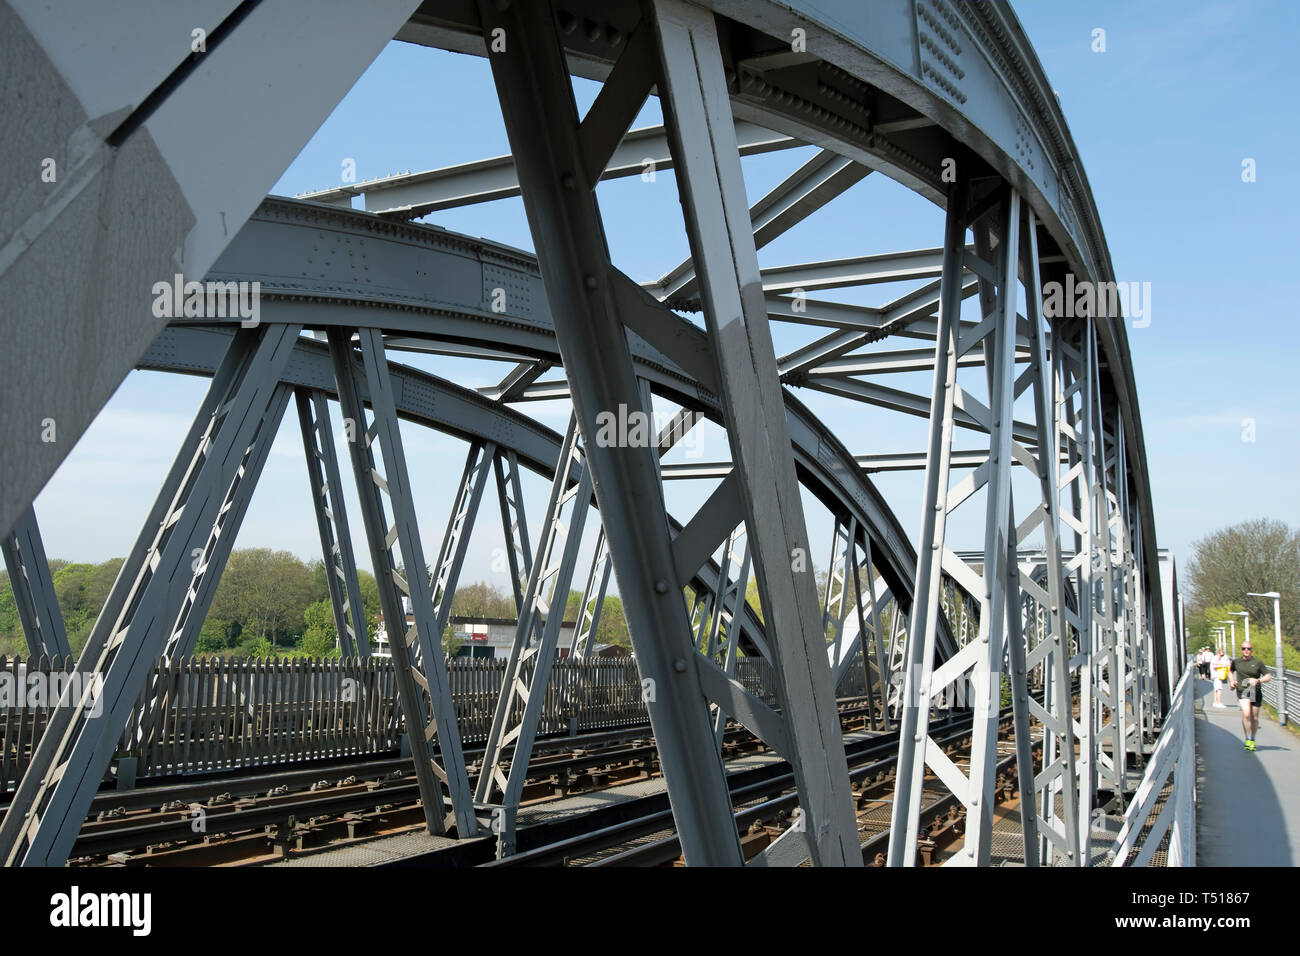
[484, 638]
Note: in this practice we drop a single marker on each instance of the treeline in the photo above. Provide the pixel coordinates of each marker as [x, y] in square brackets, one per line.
[268, 604]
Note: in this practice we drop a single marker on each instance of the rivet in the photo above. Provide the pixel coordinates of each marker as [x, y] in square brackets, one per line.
[589, 282]
[679, 665]
[568, 181]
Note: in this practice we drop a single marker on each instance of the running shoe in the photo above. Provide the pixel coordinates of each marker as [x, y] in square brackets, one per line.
[1250, 745]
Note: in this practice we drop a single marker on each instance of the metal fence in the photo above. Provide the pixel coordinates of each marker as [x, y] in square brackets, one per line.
[1169, 783]
[206, 714]
[1292, 684]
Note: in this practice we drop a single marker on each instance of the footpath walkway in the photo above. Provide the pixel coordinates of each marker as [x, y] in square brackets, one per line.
[1248, 811]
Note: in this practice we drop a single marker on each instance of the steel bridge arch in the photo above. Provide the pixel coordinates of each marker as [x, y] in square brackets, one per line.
[902, 89]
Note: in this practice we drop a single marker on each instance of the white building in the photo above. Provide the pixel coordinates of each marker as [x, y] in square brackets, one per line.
[482, 638]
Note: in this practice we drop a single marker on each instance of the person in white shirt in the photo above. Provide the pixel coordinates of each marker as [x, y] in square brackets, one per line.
[1219, 668]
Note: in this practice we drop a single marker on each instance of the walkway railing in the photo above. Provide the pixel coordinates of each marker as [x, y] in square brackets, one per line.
[1292, 692]
[208, 713]
[1174, 757]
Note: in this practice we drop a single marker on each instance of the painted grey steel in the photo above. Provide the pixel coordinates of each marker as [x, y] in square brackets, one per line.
[528, 668]
[1174, 754]
[1058, 778]
[209, 560]
[697, 111]
[326, 485]
[33, 589]
[867, 107]
[398, 559]
[51, 802]
[1073, 352]
[514, 523]
[995, 585]
[433, 402]
[593, 601]
[918, 661]
[542, 124]
[445, 575]
[412, 195]
[279, 240]
[809, 188]
[109, 95]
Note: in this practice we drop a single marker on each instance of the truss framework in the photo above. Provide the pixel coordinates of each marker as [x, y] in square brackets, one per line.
[1104, 643]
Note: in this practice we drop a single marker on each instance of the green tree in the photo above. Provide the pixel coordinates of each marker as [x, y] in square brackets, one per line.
[451, 641]
[81, 590]
[267, 591]
[1202, 623]
[1261, 555]
[262, 649]
[319, 636]
[482, 600]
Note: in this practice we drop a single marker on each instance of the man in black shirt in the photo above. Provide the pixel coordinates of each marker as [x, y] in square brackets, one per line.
[1249, 672]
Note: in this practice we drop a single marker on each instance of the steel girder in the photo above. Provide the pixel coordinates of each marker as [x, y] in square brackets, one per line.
[279, 239]
[534, 649]
[429, 401]
[413, 195]
[397, 556]
[111, 97]
[844, 572]
[33, 587]
[1130, 606]
[210, 558]
[514, 523]
[862, 90]
[332, 522]
[1059, 777]
[139, 617]
[1073, 358]
[557, 176]
[997, 583]
[697, 113]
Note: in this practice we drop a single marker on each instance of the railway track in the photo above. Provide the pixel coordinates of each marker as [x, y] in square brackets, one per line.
[229, 819]
[766, 808]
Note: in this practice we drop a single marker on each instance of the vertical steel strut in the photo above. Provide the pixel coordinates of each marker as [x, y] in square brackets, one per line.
[130, 634]
[401, 574]
[701, 133]
[996, 584]
[332, 522]
[33, 587]
[559, 162]
[533, 651]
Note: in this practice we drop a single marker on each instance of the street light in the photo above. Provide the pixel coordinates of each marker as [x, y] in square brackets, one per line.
[1233, 625]
[1246, 615]
[1277, 645]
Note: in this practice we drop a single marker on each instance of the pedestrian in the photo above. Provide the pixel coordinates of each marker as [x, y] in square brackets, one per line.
[1203, 659]
[1219, 667]
[1249, 674]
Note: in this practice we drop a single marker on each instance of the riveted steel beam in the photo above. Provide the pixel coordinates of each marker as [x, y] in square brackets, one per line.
[332, 522]
[33, 589]
[129, 636]
[697, 113]
[397, 556]
[541, 121]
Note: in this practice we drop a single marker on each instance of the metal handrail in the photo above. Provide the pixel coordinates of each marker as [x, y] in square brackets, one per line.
[1174, 753]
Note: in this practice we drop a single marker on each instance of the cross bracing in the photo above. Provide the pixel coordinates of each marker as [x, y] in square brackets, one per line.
[1055, 404]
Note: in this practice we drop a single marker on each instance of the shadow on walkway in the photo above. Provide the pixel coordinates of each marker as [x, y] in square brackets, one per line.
[1248, 811]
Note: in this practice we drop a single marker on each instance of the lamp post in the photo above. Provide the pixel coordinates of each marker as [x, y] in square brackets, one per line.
[1246, 615]
[1233, 625]
[1220, 642]
[1277, 648]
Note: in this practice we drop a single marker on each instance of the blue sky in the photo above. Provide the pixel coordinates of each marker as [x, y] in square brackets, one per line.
[1162, 119]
